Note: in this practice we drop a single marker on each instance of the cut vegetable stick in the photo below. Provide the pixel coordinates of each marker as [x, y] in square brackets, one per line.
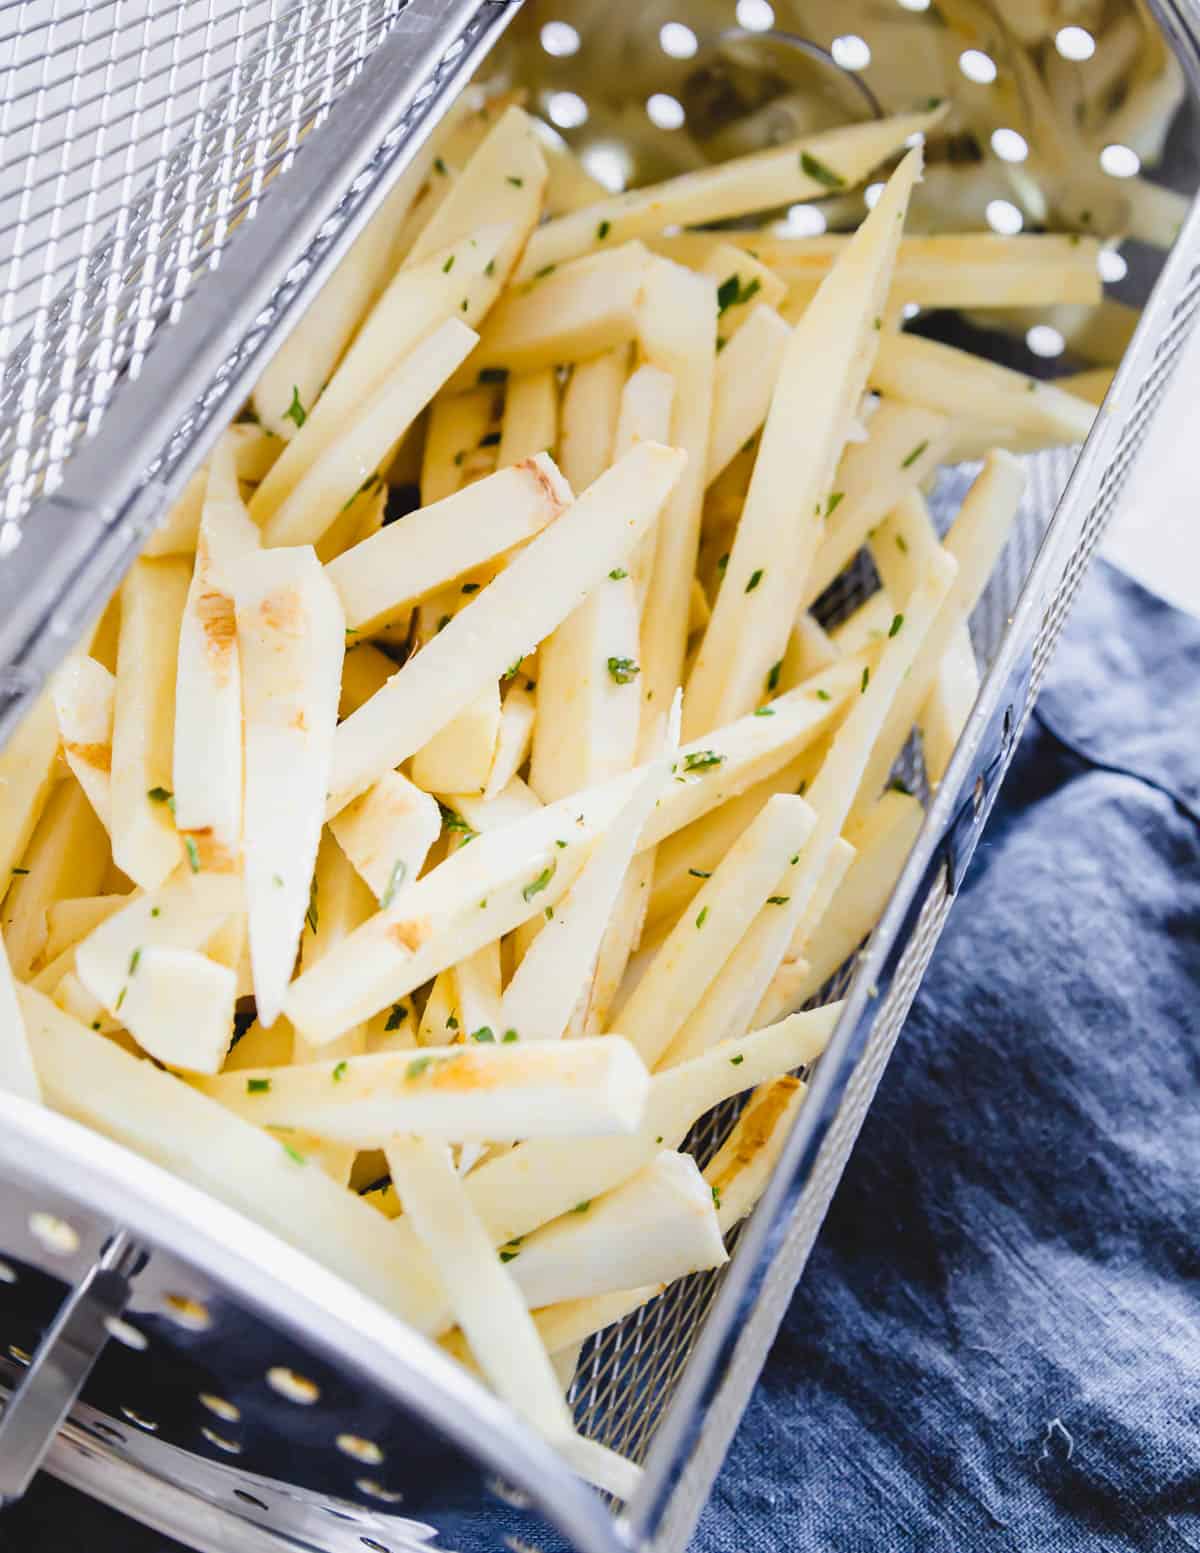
[66, 857]
[261, 1048]
[547, 1177]
[440, 1022]
[699, 613]
[568, 1322]
[802, 170]
[458, 423]
[685, 860]
[178, 1006]
[738, 1173]
[702, 941]
[556, 970]
[657, 1226]
[588, 706]
[590, 407]
[904, 445]
[809, 650]
[512, 614]
[360, 519]
[945, 713]
[477, 986]
[1091, 385]
[530, 422]
[502, 185]
[950, 381]
[485, 1301]
[392, 1030]
[883, 837]
[184, 914]
[974, 542]
[743, 282]
[867, 626]
[387, 833]
[974, 269]
[570, 186]
[207, 764]
[747, 371]
[290, 636]
[304, 361]
[28, 770]
[177, 529]
[517, 711]
[416, 301]
[254, 451]
[145, 844]
[783, 522]
[647, 407]
[384, 417]
[155, 1114]
[83, 694]
[486, 1090]
[364, 671]
[73, 918]
[458, 758]
[338, 903]
[677, 330]
[567, 314]
[17, 1073]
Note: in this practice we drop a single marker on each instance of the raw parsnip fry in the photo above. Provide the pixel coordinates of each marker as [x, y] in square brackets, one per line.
[84, 694]
[177, 529]
[338, 902]
[747, 371]
[459, 757]
[530, 422]
[515, 735]
[207, 765]
[178, 1006]
[950, 381]
[867, 626]
[67, 856]
[28, 770]
[72, 918]
[440, 1021]
[364, 671]
[974, 542]
[677, 332]
[510, 616]
[567, 314]
[743, 282]
[477, 984]
[661, 1224]
[1091, 385]
[384, 417]
[502, 185]
[783, 522]
[882, 838]
[485, 1089]
[387, 833]
[904, 446]
[290, 635]
[416, 301]
[809, 650]
[802, 170]
[570, 186]
[454, 453]
[555, 971]
[261, 1048]
[155, 1114]
[678, 978]
[145, 844]
[590, 407]
[482, 1294]
[647, 407]
[18, 1075]
[738, 1172]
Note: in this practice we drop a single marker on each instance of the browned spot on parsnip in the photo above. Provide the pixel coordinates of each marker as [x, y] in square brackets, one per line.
[412, 933]
[98, 756]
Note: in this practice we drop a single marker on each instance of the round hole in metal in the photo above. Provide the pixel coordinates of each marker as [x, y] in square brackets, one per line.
[362, 1450]
[296, 1388]
[230, 1447]
[19, 1354]
[122, 1332]
[53, 1234]
[7, 1274]
[228, 1411]
[143, 1423]
[240, 1493]
[378, 1547]
[374, 1490]
[187, 1312]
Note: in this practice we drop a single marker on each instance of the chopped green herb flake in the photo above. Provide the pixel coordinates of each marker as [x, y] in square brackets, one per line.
[160, 795]
[736, 1062]
[819, 173]
[483, 1035]
[95, 1024]
[296, 411]
[560, 843]
[723, 563]
[134, 960]
[443, 623]
[536, 886]
[339, 1071]
[915, 454]
[659, 1138]
[546, 269]
[397, 1017]
[120, 999]
[773, 676]
[509, 1037]
[778, 900]
[294, 1154]
[582, 1207]
[517, 183]
[448, 266]
[902, 544]
[311, 915]
[702, 916]
[755, 578]
[417, 1066]
[193, 853]
[20, 872]
[603, 230]
[452, 1023]
[511, 671]
[258, 1086]
[493, 374]
[617, 573]
[395, 879]
[440, 167]
[823, 695]
[549, 913]
[866, 679]
[623, 670]
[702, 760]
[716, 1191]
[878, 323]
[700, 873]
[509, 1256]
[835, 500]
[897, 622]
[764, 711]
[897, 786]
[492, 440]
[156, 911]
[489, 269]
[470, 587]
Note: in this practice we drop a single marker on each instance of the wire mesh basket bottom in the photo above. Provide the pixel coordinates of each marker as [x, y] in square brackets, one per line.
[222, 1409]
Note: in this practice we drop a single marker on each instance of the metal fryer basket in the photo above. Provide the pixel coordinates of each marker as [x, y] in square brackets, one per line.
[139, 306]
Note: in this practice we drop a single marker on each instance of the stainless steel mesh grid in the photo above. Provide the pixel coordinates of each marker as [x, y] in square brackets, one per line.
[148, 145]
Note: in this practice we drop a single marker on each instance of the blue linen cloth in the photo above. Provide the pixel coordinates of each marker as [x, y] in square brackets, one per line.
[997, 1342]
